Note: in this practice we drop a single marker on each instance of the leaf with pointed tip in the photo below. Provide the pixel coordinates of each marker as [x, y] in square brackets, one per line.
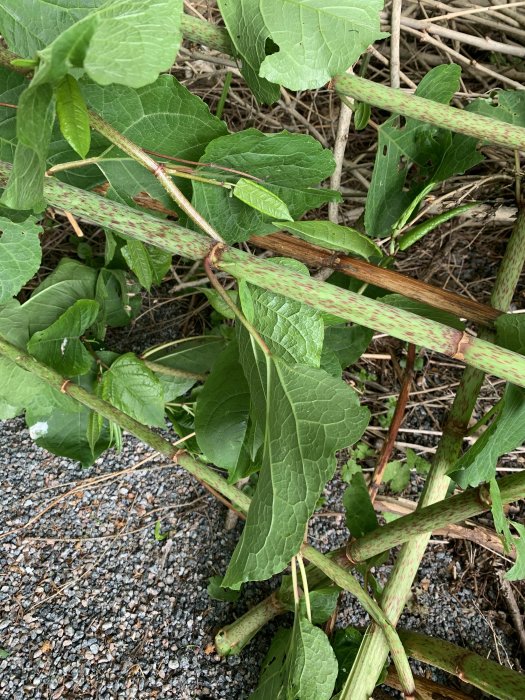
[59, 345]
[261, 199]
[65, 433]
[333, 236]
[20, 255]
[289, 166]
[300, 664]
[133, 388]
[73, 116]
[307, 415]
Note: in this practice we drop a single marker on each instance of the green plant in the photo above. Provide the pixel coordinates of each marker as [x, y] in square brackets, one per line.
[265, 397]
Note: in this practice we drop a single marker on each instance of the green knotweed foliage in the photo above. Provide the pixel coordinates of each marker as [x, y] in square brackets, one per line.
[261, 394]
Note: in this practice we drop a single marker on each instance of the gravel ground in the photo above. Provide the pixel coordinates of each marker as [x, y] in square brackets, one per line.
[93, 606]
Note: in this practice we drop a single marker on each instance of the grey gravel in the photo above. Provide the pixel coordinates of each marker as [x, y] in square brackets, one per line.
[125, 616]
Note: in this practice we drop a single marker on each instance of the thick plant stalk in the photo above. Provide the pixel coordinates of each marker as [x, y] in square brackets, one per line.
[202, 32]
[361, 681]
[480, 672]
[345, 580]
[457, 120]
[434, 517]
[233, 638]
[425, 520]
[263, 273]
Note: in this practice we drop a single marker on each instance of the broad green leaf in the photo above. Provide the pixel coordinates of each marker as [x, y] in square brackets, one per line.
[30, 25]
[66, 434]
[20, 389]
[300, 664]
[333, 236]
[123, 41]
[290, 165]
[73, 116]
[504, 434]
[345, 643]
[347, 342]
[217, 592]
[261, 199]
[131, 387]
[148, 263]
[425, 310]
[306, 416]
[245, 25]
[517, 572]
[397, 475]
[163, 117]
[189, 354]
[222, 410]
[411, 155]
[317, 40]
[68, 282]
[292, 330]
[59, 345]
[359, 511]
[34, 124]
[20, 255]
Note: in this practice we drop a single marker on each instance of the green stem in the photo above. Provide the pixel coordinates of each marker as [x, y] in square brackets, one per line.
[480, 672]
[373, 650]
[202, 32]
[173, 372]
[233, 638]
[263, 273]
[458, 120]
[156, 169]
[345, 580]
[434, 517]
[147, 435]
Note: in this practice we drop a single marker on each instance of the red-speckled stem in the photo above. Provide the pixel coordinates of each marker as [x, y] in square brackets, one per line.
[458, 120]
[264, 273]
